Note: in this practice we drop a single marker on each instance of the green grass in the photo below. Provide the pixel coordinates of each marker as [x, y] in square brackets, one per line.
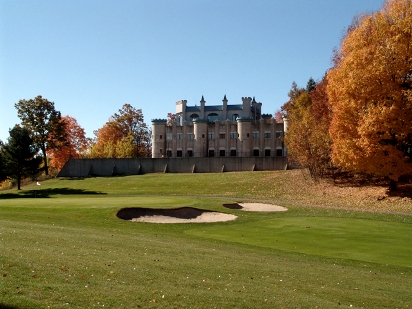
[345, 238]
[62, 246]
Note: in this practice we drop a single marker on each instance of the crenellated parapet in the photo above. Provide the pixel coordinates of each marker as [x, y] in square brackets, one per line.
[159, 121]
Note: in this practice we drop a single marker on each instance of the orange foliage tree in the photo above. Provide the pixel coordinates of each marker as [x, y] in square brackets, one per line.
[125, 135]
[171, 117]
[107, 137]
[370, 89]
[74, 145]
[308, 114]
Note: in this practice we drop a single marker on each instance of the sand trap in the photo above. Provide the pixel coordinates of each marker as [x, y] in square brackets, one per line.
[177, 215]
[189, 214]
[255, 207]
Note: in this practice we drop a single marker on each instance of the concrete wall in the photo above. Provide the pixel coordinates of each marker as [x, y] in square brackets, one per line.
[135, 166]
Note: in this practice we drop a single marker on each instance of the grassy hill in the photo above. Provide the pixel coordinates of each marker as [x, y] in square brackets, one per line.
[62, 245]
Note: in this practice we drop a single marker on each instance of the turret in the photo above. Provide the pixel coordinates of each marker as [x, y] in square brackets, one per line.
[201, 141]
[181, 109]
[247, 101]
[158, 137]
[202, 107]
[244, 128]
[224, 116]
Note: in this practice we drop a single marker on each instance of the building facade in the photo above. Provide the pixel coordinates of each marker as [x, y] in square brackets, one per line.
[218, 131]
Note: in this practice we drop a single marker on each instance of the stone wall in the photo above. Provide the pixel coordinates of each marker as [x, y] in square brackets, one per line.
[135, 166]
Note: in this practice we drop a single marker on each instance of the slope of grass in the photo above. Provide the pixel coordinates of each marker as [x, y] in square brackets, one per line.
[62, 246]
[292, 187]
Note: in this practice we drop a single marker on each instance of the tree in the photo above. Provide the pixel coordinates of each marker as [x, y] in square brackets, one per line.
[370, 89]
[320, 141]
[39, 116]
[106, 139]
[293, 94]
[311, 85]
[3, 175]
[307, 138]
[125, 147]
[125, 135]
[171, 117]
[20, 155]
[279, 114]
[74, 145]
[131, 121]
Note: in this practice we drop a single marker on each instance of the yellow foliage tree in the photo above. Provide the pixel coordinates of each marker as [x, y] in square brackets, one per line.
[125, 147]
[370, 90]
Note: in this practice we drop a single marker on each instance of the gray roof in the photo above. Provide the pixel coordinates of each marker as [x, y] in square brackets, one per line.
[214, 108]
[234, 107]
[192, 108]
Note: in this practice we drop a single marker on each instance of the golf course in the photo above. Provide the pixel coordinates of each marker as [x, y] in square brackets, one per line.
[77, 243]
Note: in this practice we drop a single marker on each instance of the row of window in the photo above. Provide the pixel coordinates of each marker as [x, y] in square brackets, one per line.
[233, 135]
[222, 153]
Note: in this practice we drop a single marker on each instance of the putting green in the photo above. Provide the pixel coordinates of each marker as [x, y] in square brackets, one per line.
[346, 238]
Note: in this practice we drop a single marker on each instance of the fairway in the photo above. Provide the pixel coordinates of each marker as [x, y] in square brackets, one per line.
[63, 246]
[344, 238]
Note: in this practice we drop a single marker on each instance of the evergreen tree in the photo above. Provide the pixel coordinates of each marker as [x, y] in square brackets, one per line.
[19, 155]
[311, 85]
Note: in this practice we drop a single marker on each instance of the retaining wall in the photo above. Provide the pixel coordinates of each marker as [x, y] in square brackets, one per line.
[135, 166]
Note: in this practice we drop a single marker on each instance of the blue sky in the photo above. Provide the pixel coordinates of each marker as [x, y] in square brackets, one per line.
[92, 56]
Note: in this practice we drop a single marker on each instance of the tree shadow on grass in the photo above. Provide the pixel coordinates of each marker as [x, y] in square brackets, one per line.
[350, 179]
[4, 306]
[46, 193]
[94, 176]
[403, 191]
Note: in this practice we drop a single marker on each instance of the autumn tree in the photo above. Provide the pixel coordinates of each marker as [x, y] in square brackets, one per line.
[72, 147]
[297, 111]
[370, 89]
[40, 118]
[171, 117]
[321, 115]
[125, 135]
[131, 122]
[279, 114]
[308, 114]
[106, 139]
[19, 155]
[125, 148]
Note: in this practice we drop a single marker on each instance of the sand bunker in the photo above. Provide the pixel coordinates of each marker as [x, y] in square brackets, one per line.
[177, 215]
[255, 207]
[189, 214]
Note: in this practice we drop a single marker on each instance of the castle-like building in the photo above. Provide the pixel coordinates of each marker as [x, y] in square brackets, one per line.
[225, 130]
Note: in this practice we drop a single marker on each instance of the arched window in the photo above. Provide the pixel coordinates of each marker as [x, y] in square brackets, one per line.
[193, 116]
[212, 117]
